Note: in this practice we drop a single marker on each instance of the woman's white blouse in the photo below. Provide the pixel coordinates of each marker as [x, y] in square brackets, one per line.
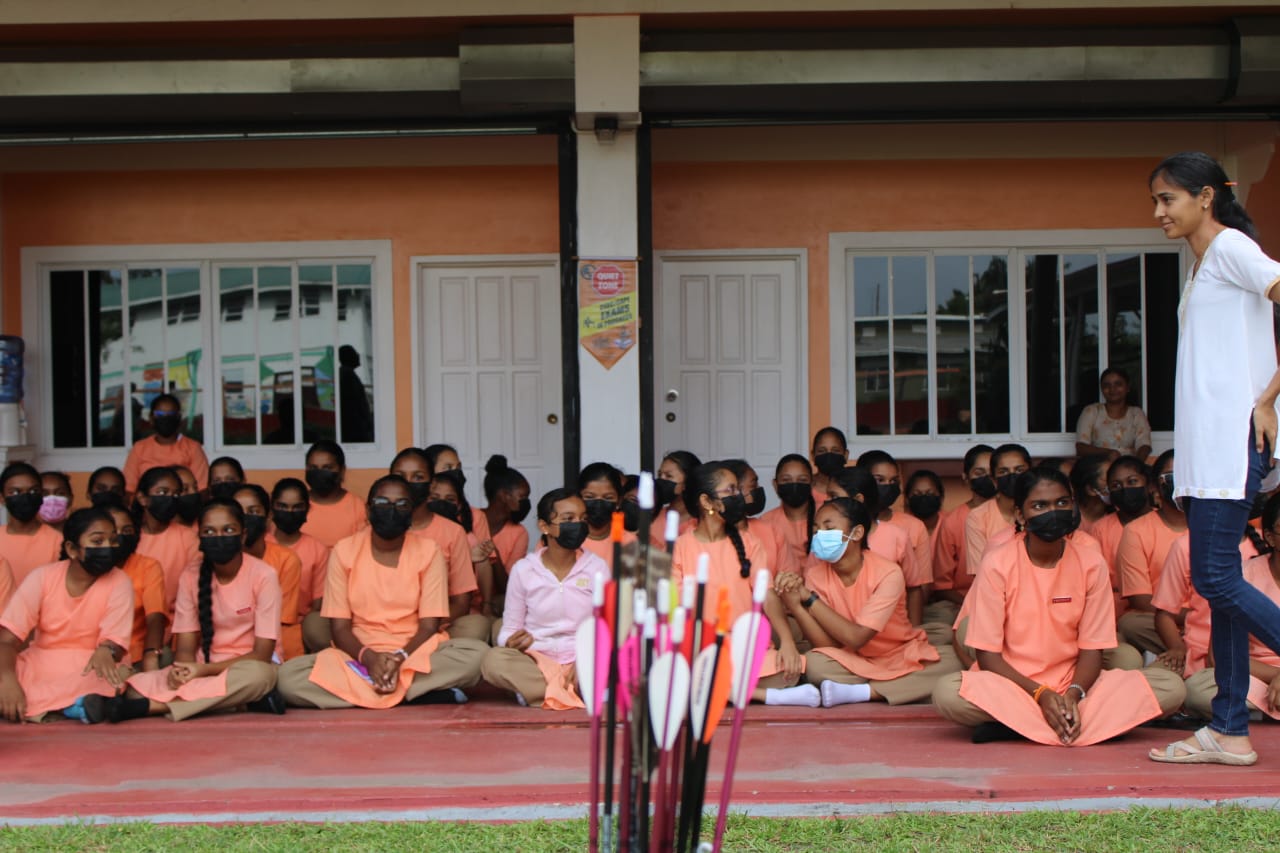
[1226, 357]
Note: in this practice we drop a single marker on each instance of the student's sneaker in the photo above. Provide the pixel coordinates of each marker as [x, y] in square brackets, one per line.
[272, 703]
[121, 708]
[448, 696]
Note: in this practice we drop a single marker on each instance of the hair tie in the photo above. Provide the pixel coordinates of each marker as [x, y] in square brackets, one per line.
[1229, 183]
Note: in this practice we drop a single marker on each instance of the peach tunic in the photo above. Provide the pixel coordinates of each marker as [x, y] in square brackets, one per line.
[7, 586]
[982, 524]
[24, 552]
[150, 453]
[919, 569]
[1108, 531]
[512, 543]
[479, 528]
[1258, 572]
[792, 536]
[333, 522]
[243, 610]
[724, 571]
[66, 632]
[950, 557]
[289, 574]
[1144, 546]
[603, 548]
[313, 556]
[148, 598]
[658, 530]
[780, 557]
[384, 604]
[1039, 619]
[877, 599]
[177, 550]
[452, 541]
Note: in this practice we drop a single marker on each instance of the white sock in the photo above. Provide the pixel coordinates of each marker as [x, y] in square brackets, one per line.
[1149, 658]
[521, 701]
[803, 694]
[835, 693]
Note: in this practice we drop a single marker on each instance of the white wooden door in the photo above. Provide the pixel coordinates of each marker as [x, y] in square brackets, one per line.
[729, 359]
[490, 349]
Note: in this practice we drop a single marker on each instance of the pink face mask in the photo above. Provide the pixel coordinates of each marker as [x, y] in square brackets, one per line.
[53, 509]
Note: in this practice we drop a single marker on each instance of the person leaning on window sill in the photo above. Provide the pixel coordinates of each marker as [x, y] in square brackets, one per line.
[1113, 427]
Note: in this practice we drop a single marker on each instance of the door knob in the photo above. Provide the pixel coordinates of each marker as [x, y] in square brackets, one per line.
[671, 417]
[552, 419]
[672, 395]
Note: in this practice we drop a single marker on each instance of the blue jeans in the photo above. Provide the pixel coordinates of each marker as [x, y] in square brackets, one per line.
[1237, 607]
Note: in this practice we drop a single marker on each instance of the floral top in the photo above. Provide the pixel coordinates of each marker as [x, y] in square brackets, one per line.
[1126, 435]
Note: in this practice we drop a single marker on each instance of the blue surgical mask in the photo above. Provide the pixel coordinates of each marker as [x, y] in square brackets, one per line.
[829, 545]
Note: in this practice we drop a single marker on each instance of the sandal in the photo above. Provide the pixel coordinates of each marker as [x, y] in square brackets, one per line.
[1209, 752]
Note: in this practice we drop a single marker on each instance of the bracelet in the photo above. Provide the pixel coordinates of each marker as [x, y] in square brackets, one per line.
[1035, 697]
[146, 652]
[1081, 689]
[360, 655]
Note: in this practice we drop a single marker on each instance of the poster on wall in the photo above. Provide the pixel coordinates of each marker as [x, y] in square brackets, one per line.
[607, 308]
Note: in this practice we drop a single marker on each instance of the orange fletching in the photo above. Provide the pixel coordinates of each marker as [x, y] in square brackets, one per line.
[723, 616]
[617, 527]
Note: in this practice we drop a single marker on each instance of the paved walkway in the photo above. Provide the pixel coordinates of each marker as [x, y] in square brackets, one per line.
[490, 760]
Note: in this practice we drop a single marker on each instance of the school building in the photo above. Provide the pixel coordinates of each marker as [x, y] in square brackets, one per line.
[572, 231]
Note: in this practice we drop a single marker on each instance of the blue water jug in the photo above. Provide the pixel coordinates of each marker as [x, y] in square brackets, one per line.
[11, 348]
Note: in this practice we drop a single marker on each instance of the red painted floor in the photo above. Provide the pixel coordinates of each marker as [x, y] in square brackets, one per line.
[493, 760]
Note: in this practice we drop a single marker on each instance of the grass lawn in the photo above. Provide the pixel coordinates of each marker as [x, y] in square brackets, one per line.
[1168, 831]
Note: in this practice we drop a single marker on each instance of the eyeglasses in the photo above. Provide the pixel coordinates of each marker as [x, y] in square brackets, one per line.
[402, 505]
[732, 490]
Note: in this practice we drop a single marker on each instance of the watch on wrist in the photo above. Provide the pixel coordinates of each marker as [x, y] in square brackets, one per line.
[808, 602]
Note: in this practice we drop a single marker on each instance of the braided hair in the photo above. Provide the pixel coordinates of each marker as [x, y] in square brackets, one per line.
[204, 589]
[704, 480]
[812, 506]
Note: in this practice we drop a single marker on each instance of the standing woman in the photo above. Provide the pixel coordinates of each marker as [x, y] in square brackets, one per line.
[335, 513]
[1225, 430]
[668, 493]
[1113, 427]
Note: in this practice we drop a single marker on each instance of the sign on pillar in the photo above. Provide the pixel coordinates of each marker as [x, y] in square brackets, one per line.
[607, 308]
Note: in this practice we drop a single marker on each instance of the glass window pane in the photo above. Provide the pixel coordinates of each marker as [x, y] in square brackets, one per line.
[871, 376]
[317, 325]
[1044, 368]
[910, 287]
[870, 287]
[183, 345]
[277, 369]
[1163, 283]
[106, 357]
[991, 343]
[1081, 328]
[955, 412]
[1124, 319]
[67, 355]
[911, 377]
[355, 361]
[951, 284]
[237, 355]
[147, 327]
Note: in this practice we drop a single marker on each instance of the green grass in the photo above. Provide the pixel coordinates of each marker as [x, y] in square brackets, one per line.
[1167, 831]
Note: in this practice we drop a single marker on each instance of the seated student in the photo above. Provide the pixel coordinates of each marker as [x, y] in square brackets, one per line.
[712, 497]
[778, 556]
[166, 447]
[887, 540]
[147, 651]
[951, 578]
[451, 487]
[255, 503]
[106, 487]
[25, 541]
[290, 503]
[631, 502]
[830, 455]
[548, 597]
[1263, 572]
[1008, 461]
[1113, 427]
[412, 465]
[919, 572]
[441, 459]
[335, 513]
[851, 606]
[925, 494]
[1089, 484]
[792, 520]
[7, 586]
[1144, 547]
[76, 614]
[1129, 487]
[668, 494]
[507, 492]
[55, 502]
[1042, 616]
[191, 500]
[226, 475]
[600, 487]
[445, 499]
[170, 543]
[226, 626]
[387, 595]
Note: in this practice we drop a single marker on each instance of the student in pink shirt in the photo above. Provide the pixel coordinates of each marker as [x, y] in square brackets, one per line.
[548, 597]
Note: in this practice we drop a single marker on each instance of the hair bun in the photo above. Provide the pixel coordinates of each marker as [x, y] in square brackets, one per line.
[496, 464]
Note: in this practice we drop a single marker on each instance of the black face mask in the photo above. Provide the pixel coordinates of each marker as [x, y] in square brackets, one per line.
[983, 487]
[448, 509]
[418, 492]
[166, 426]
[572, 535]
[755, 506]
[388, 522]
[24, 507]
[889, 494]
[1130, 500]
[98, 561]
[1053, 525]
[254, 527]
[735, 509]
[224, 490]
[664, 492]
[1005, 484]
[220, 549]
[795, 495]
[106, 500]
[924, 506]
[521, 512]
[189, 507]
[126, 544]
[289, 521]
[323, 481]
[162, 507]
[599, 512]
[630, 516]
[829, 464]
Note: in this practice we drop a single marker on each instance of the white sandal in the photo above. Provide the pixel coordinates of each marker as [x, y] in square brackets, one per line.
[1209, 752]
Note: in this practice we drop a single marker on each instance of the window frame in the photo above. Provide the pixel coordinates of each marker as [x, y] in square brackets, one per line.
[38, 262]
[1016, 246]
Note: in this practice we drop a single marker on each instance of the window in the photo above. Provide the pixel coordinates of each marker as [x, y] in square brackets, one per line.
[922, 323]
[218, 333]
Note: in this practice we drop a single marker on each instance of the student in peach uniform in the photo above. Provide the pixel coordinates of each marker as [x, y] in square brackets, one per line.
[779, 557]
[255, 502]
[1089, 484]
[1042, 617]
[951, 577]
[548, 597]
[164, 538]
[146, 644]
[335, 513]
[226, 474]
[507, 492]
[290, 503]
[668, 493]
[25, 541]
[167, 447]
[792, 520]
[1007, 462]
[191, 499]
[1144, 547]
[829, 455]
[600, 487]
[106, 487]
[445, 501]
[1129, 487]
[884, 468]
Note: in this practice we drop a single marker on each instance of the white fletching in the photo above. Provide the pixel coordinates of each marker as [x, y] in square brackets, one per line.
[746, 633]
[644, 494]
[673, 525]
[584, 642]
[762, 587]
[677, 626]
[597, 591]
[689, 595]
[650, 624]
[664, 597]
[704, 567]
[704, 677]
[668, 697]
